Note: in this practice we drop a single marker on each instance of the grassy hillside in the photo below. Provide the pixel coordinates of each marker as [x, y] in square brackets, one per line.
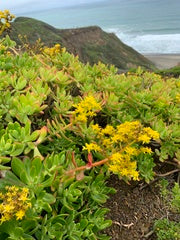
[91, 44]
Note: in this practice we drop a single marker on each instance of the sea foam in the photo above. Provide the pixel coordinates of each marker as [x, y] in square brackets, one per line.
[149, 43]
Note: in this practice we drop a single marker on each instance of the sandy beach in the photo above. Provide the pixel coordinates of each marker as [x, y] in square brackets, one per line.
[164, 61]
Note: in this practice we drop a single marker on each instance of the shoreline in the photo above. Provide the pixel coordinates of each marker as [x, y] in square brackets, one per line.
[164, 61]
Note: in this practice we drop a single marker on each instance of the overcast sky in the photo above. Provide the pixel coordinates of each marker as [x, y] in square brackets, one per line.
[18, 6]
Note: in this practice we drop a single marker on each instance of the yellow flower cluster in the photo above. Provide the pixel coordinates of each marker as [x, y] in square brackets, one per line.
[122, 133]
[5, 18]
[145, 150]
[147, 134]
[53, 50]
[121, 164]
[86, 108]
[121, 144]
[15, 203]
[91, 146]
[128, 132]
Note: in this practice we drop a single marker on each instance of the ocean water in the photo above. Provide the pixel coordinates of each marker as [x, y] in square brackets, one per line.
[149, 26]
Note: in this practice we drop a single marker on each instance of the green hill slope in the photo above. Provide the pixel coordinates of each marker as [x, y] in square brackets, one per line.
[91, 44]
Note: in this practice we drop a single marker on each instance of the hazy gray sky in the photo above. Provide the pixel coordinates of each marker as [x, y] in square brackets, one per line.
[31, 5]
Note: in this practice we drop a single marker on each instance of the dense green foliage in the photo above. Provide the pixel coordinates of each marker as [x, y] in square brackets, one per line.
[48, 147]
[167, 230]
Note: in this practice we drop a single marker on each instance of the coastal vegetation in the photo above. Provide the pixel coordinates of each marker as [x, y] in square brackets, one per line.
[171, 72]
[65, 128]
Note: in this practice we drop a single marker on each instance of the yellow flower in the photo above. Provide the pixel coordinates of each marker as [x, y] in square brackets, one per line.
[8, 208]
[131, 151]
[28, 205]
[86, 108]
[96, 128]
[23, 197]
[121, 164]
[12, 188]
[5, 19]
[57, 46]
[144, 138]
[108, 130]
[151, 133]
[107, 142]
[53, 50]
[81, 118]
[9, 199]
[128, 130]
[25, 190]
[7, 216]
[15, 202]
[135, 175]
[145, 150]
[117, 138]
[20, 214]
[91, 146]
[3, 219]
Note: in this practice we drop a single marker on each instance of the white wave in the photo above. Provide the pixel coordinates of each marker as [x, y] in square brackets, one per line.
[149, 43]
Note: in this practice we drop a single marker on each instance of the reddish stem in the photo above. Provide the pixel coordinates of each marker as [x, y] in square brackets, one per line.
[87, 166]
[73, 160]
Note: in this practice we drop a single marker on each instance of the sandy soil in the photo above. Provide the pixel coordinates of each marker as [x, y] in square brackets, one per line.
[164, 61]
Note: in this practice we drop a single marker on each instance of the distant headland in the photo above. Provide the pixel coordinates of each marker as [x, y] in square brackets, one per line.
[91, 44]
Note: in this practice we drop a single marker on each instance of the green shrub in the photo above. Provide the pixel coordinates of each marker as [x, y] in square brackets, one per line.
[172, 72]
[166, 229]
[171, 196]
